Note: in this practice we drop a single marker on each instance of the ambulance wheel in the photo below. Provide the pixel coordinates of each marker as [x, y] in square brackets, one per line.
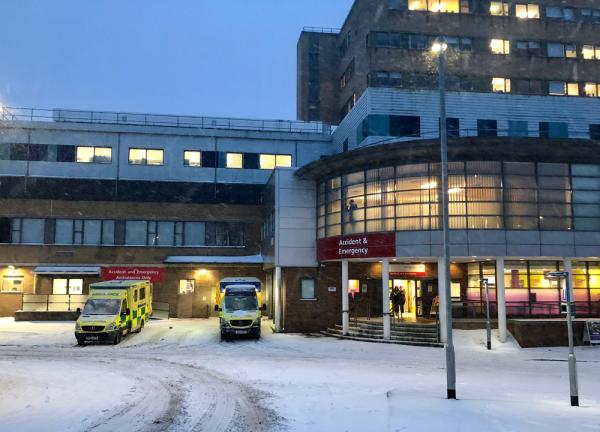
[257, 334]
[81, 341]
[117, 339]
[141, 327]
[224, 337]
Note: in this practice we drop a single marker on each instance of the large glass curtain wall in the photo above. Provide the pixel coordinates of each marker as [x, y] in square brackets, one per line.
[482, 195]
[529, 293]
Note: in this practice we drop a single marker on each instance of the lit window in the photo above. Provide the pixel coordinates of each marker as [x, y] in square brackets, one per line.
[499, 8]
[146, 156]
[572, 89]
[447, 6]
[192, 158]
[94, 154]
[591, 52]
[137, 156]
[591, 89]
[529, 10]
[417, 5]
[284, 161]
[500, 46]
[102, 154]
[85, 154]
[570, 51]
[501, 85]
[235, 160]
[267, 161]
[154, 157]
[270, 161]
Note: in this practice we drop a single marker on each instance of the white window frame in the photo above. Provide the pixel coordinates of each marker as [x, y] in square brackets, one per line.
[12, 278]
[310, 284]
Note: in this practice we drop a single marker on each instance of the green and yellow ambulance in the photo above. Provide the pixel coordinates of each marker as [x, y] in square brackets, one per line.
[239, 306]
[113, 310]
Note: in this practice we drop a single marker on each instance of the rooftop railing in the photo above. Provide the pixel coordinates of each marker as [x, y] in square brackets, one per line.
[328, 30]
[163, 120]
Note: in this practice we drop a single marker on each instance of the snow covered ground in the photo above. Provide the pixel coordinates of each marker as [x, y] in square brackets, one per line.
[177, 376]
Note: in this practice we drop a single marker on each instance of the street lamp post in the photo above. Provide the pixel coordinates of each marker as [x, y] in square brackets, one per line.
[572, 360]
[440, 47]
[488, 323]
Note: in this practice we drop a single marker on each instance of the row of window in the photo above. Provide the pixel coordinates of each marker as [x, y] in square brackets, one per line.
[410, 126]
[482, 195]
[529, 292]
[423, 42]
[522, 10]
[106, 232]
[483, 84]
[141, 156]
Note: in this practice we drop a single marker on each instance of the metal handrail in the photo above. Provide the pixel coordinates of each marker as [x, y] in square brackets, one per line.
[179, 121]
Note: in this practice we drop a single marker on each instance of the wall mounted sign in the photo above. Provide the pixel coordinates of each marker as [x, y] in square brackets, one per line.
[332, 289]
[153, 274]
[401, 271]
[374, 245]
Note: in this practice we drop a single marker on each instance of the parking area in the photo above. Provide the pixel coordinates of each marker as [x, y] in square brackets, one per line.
[177, 375]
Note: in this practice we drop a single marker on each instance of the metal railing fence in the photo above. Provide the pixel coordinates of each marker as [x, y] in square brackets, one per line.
[163, 120]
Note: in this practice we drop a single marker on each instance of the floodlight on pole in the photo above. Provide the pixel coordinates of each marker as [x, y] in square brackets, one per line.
[439, 47]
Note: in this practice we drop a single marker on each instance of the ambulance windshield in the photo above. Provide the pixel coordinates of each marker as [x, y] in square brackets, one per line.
[102, 307]
[240, 302]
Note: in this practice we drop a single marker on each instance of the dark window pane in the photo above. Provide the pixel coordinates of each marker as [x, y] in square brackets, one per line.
[453, 127]
[251, 161]
[487, 128]
[18, 152]
[402, 126]
[5, 230]
[65, 153]
[595, 131]
[38, 152]
[209, 159]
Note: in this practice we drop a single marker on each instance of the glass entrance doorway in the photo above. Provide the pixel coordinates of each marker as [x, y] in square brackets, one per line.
[420, 297]
[411, 290]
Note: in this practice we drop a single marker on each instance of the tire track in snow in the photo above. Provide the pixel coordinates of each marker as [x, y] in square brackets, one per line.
[181, 397]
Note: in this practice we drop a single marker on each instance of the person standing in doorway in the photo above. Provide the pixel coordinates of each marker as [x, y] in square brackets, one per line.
[402, 301]
[395, 301]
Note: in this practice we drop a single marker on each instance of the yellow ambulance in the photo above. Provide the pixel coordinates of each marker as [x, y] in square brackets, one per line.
[239, 307]
[113, 310]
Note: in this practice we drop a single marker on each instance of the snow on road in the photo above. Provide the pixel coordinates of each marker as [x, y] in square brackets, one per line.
[177, 376]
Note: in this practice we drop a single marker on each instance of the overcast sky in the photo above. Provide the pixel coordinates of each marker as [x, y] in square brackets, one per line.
[234, 58]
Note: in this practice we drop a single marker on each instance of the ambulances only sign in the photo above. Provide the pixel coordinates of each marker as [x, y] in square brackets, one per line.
[374, 245]
[153, 274]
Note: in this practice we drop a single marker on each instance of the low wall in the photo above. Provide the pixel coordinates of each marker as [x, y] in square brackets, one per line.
[472, 324]
[545, 333]
[46, 316]
[9, 303]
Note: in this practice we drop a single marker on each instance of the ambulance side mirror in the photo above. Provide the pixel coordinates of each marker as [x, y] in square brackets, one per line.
[128, 311]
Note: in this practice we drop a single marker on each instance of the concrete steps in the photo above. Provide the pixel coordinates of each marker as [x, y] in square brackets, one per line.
[418, 334]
